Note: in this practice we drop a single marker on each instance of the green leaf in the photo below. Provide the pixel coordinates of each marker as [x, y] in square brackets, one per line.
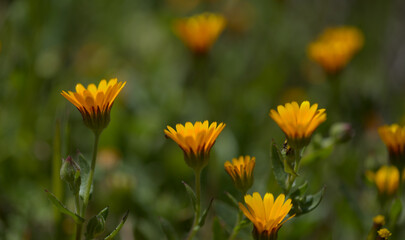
[395, 212]
[204, 215]
[299, 191]
[104, 213]
[314, 201]
[278, 169]
[218, 229]
[118, 228]
[168, 229]
[63, 209]
[234, 202]
[84, 174]
[191, 194]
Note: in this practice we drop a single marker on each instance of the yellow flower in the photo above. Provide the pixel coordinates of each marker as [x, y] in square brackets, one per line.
[335, 47]
[384, 233]
[379, 221]
[386, 179]
[394, 138]
[199, 32]
[266, 214]
[241, 172]
[195, 140]
[298, 122]
[94, 103]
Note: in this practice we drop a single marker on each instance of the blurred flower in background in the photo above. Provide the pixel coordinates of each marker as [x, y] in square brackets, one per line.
[394, 138]
[200, 32]
[335, 47]
[386, 179]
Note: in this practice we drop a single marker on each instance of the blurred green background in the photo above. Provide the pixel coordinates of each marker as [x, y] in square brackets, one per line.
[258, 62]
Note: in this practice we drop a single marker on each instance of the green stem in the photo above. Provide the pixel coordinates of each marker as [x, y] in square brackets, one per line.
[88, 185]
[195, 227]
[78, 225]
[236, 229]
[291, 177]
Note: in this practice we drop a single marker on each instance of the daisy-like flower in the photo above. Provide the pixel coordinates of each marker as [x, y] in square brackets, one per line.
[386, 179]
[394, 138]
[335, 47]
[195, 140]
[241, 172]
[94, 103]
[266, 214]
[298, 122]
[199, 32]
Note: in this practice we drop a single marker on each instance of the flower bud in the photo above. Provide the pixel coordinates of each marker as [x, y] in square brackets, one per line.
[95, 227]
[342, 132]
[70, 173]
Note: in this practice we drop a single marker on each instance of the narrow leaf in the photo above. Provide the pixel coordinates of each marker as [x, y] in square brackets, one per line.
[118, 228]
[104, 213]
[218, 229]
[63, 209]
[168, 229]
[191, 194]
[395, 212]
[278, 169]
[233, 200]
[204, 215]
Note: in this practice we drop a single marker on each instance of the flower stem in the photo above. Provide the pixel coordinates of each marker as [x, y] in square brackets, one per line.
[78, 225]
[195, 227]
[88, 186]
[236, 229]
[291, 177]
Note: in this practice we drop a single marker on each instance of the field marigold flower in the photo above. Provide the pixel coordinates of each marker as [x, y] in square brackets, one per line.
[335, 47]
[195, 140]
[266, 214]
[94, 103]
[386, 179]
[394, 138]
[298, 122]
[241, 172]
[199, 32]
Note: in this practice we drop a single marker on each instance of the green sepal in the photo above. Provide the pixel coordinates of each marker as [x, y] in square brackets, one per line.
[96, 224]
[168, 229]
[234, 202]
[84, 174]
[191, 194]
[118, 228]
[63, 209]
[218, 229]
[395, 212]
[201, 221]
[278, 169]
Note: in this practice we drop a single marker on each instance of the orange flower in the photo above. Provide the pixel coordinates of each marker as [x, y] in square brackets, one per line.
[199, 32]
[386, 179]
[394, 138]
[94, 103]
[266, 214]
[335, 47]
[241, 172]
[195, 140]
[298, 122]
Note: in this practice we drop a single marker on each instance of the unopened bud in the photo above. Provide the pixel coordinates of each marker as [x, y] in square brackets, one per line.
[96, 224]
[70, 173]
[342, 132]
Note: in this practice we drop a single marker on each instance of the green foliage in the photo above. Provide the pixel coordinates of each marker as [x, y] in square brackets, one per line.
[62, 208]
